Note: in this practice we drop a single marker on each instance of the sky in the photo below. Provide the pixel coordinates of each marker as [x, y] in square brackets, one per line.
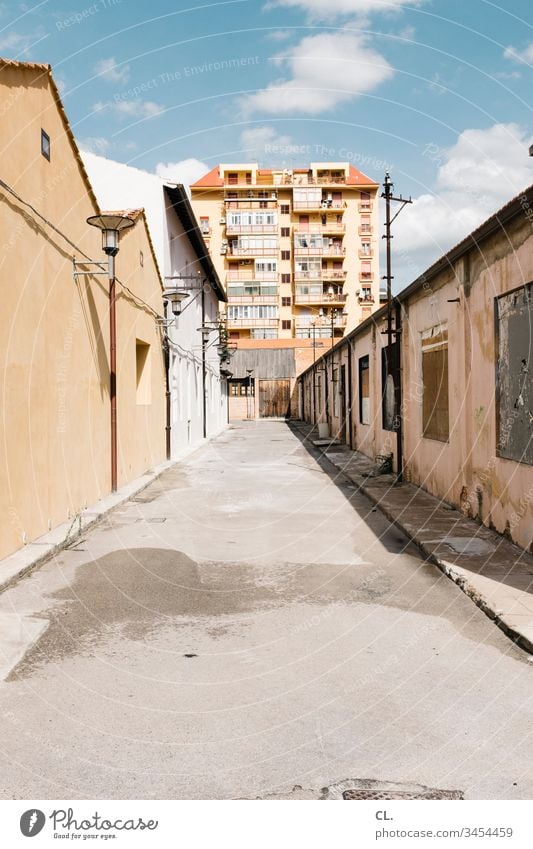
[438, 92]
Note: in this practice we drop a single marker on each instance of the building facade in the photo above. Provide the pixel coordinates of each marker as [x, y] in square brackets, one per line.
[297, 250]
[55, 427]
[198, 406]
[464, 418]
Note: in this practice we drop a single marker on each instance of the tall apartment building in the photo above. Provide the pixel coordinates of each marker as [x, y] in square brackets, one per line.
[297, 249]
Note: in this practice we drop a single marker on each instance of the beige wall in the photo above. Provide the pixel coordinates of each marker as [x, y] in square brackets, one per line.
[465, 470]
[54, 331]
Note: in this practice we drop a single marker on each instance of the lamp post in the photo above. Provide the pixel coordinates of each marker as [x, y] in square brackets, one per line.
[111, 226]
[249, 372]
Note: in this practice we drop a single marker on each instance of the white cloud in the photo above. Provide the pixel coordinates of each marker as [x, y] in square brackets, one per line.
[94, 144]
[109, 70]
[479, 174]
[326, 70]
[261, 141]
[16, 43]
[525, 55]
[325, 8]
[185, 171]
[130, 108]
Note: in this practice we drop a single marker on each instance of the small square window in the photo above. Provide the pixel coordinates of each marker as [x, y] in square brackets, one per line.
[285, 231]
[285, 302]
[286, 324]
[284, 209]
[45, 145]
[285, 254]
[285, 278]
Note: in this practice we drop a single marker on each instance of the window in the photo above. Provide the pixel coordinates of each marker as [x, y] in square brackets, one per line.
[364, 390]
[366, 248]
[252, 311]
[286, 324]
[233, 179]
[142, 365]
[435, 414]
[285, 231]
[285, 302]
[204, 225]
[238, 387]
[266, 266]
[285, 254]
[285, 278]
[284, 209]
[45, 145]
[514, 388]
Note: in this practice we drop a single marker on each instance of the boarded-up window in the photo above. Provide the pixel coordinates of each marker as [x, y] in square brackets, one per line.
[364, 390]
[514, 327]
[435, 405]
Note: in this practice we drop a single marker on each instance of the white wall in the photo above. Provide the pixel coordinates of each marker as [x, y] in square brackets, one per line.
[119, 186]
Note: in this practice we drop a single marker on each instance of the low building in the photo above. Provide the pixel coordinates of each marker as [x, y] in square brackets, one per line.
[198, 407]
[55, 325]
[465, 414]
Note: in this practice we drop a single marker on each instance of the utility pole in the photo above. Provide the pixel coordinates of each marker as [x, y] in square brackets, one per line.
[388, 187]
[313, 325]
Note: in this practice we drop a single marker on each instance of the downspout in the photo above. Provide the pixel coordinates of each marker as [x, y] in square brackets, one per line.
[168, 426]
[350, 397]
[113, 371]
[204, 376]
[399, 374]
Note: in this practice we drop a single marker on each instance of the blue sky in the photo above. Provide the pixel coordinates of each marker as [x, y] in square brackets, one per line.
[439, 91]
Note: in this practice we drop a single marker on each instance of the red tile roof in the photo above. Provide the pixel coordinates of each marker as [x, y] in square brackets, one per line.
[357, 178]
[211, 179]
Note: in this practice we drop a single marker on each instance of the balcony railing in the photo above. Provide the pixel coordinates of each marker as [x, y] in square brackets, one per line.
[363, 254]
[250, 203]
[320, 251]
[318, 229]
[320, 298]
[365, 229]
[308, 275]
[249, 251]
[252, 322]
[252, 299]
[320, 206]
[365, 206]
[237, 229]
[320, 321]
[252, 274]
[366, 277]
[333, 274]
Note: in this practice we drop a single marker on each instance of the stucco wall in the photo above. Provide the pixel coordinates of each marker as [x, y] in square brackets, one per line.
[54, 331]
[466, 469]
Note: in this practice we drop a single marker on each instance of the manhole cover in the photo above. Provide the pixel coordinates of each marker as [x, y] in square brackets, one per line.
[365, 788]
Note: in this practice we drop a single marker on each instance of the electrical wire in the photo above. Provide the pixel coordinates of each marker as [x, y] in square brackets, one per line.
[72, 244]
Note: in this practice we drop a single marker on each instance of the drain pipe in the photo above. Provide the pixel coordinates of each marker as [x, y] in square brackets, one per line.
[350, 396]
[204, 375]
[168, 426]
[399, 375]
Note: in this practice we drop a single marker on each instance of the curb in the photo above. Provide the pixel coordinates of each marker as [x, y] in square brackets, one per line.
[449, 569]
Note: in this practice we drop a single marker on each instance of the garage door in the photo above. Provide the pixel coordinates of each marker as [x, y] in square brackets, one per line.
[274, 398]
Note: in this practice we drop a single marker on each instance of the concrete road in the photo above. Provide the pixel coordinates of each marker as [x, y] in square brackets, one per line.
[250, 626]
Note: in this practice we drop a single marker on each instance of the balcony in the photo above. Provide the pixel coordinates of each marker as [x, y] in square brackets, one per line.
[252, 299]
[365, 296]
[329, 250]
[236, 252]
[320, 321]
[333, 274]
[250, 202]
[320, 206]
[366, 277]
[252, 322]
[235, 276]
[365, 229]
[319, 229]
[365, 206]
[323, 298]
[366, 254]
[252, 229]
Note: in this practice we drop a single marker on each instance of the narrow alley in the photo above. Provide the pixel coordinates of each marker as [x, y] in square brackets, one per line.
[251, 626]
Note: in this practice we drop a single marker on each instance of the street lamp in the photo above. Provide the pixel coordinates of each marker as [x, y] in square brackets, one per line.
[111, 225]
[249, 372]
[175, 298]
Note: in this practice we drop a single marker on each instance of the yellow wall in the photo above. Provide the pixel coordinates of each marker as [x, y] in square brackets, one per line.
[54, 331]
